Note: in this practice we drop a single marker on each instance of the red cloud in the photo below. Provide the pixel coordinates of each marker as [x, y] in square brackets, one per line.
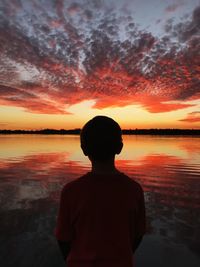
[32, 103]
[192, 117]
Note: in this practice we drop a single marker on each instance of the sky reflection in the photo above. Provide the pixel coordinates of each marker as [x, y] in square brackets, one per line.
[34, 169]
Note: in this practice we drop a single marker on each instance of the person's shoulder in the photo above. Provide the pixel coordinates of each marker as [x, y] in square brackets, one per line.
[77, 182]
[135, 186]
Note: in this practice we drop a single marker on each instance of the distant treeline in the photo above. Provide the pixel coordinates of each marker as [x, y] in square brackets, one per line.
[125, 131]
[163, 131]
[44, 131]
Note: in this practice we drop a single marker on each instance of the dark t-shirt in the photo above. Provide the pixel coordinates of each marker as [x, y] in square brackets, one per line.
[101, 216]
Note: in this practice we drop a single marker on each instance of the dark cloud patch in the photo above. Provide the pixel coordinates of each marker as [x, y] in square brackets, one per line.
[96, 4]
[185, 30]
[88, 14]
[67, 52]
[158, 21]
[9, 92]
[11, 9]
[16, 45]
[74, 8]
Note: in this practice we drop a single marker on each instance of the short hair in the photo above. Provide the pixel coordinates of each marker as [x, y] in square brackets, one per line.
[101, 138]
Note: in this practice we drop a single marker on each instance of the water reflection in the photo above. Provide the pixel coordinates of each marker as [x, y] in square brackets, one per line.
[34, 168]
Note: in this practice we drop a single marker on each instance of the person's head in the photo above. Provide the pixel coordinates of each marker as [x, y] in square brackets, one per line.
[101, 138]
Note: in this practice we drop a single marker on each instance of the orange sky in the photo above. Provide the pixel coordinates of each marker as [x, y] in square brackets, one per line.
[131, 116]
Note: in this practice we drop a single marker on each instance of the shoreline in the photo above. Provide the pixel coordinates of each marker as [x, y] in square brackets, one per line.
[168, 132]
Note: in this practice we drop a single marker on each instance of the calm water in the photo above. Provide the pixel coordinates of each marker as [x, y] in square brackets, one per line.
[33, 169]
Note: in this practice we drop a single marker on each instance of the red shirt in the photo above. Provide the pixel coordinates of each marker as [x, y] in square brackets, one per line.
[101, 216]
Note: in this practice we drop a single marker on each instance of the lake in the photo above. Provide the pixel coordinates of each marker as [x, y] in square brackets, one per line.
[33, 169]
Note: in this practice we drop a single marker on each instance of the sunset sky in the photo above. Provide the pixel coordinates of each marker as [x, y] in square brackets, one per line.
[63, 62]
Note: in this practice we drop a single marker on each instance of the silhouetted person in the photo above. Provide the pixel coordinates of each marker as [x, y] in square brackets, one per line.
[101, 219]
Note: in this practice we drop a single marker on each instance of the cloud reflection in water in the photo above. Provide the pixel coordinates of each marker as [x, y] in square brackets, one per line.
[30, 188]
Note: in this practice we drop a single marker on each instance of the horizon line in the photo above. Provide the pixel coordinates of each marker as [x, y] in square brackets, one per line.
[78, 128]
[162, 131]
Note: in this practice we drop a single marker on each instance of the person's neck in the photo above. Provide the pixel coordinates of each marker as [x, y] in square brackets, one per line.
[104, 167]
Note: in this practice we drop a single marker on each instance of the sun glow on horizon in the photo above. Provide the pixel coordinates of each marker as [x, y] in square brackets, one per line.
[129, 117]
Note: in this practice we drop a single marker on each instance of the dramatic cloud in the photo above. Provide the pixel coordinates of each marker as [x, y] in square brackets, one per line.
[58, 53]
